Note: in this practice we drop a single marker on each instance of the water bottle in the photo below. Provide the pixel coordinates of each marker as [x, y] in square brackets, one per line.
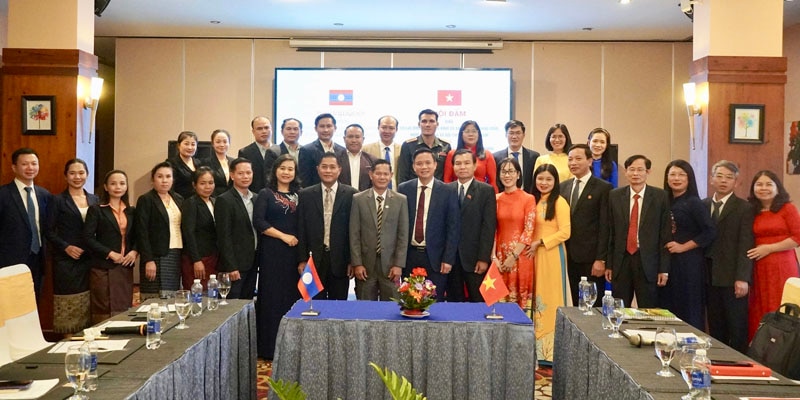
[581, 291]
[608, 308]
[90, 347]
[213, 286]
[701, 376]
[197, 298]
[153, 327]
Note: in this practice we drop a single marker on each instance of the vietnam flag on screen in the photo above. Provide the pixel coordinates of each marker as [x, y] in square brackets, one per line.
[493, 288]
[340, 97]
[449, 98]
[309, 284]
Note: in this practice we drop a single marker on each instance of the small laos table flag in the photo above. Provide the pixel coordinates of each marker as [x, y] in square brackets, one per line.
[493, 288]
[309, 284]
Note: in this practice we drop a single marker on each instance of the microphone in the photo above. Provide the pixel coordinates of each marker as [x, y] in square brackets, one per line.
[638, 341]
[140, 330]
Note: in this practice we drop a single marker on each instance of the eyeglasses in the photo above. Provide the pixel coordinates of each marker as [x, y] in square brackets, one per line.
[508, 172]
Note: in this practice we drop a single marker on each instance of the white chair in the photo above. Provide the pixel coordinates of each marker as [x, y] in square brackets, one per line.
[791, 291]
[21, 316]
[5, 349]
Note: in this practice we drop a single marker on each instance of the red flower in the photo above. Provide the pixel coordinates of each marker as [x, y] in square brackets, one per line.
[419, 271]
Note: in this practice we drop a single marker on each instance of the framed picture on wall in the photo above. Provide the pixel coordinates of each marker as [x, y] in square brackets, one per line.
[38, 115]
[747, 123]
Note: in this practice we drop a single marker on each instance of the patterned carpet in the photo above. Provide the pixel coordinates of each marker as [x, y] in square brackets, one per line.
[543, 387]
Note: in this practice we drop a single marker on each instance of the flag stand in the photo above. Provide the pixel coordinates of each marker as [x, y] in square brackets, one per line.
[494, 315]
[311, 312]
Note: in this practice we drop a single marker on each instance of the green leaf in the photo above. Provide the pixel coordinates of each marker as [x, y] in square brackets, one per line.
[399, 387]
[286, 390]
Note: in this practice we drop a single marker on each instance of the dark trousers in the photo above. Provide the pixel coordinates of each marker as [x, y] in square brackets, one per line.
[245, 287]
[418, 257]
[459, 278]
[35, 263]
[631, 279]
[727, 317]
[335, 288]
[575, 271]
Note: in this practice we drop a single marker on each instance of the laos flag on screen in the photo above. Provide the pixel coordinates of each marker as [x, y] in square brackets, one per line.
[340, 97]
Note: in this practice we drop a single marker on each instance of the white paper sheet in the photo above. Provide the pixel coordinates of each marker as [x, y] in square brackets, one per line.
[146, 307]
[37, 389]
[103, 345]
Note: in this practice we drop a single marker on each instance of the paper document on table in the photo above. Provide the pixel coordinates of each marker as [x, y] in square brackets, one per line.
[105, 345]
[120, 324]
[649, 335]
[649, 314]
[36, 390]
[146, 308]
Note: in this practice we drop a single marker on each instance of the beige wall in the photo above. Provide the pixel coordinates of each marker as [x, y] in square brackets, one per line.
[164, 86]
[791, 50]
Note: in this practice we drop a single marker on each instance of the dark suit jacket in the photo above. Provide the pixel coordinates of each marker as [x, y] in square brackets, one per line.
[478, 224]
[151, 215]
[364, 230]
[728, 253]
[364, 182]
[655, 230]
[310, 155]
[182, 176]
[198, 229]
[221, 185]
[528, 161]
[15, 231]
[588, 239]
[103, 236]
[66, 222]
[235, 236]
[262, 166]
[311, 228]
[443, 224]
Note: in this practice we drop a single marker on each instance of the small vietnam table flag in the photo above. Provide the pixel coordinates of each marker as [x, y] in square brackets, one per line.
[493, 289]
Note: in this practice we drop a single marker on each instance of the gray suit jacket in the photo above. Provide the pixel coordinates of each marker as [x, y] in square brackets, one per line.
[364, 230]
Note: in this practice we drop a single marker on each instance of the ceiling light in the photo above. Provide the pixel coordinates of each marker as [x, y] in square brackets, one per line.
[624, 1]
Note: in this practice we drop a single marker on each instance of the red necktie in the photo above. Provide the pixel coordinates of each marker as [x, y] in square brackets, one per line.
[419, 227]
[633, 227]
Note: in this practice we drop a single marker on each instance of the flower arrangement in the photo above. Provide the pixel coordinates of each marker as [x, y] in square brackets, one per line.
[793, 157]
[416, 292]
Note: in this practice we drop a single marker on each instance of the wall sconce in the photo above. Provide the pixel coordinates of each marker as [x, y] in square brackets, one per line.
[92, 101]
[692, 108]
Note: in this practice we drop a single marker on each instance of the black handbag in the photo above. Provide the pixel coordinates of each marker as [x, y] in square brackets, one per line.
[776, 343]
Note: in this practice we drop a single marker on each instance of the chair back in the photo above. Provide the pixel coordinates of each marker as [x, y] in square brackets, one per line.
[791, 291]
[5, 349]
[18, 304]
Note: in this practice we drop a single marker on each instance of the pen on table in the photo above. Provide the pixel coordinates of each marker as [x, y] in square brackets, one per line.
[96, 338]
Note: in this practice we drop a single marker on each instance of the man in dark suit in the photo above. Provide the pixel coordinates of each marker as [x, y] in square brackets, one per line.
[428, 123]
[324, 229]
[478, 222]
[23, 216]
[258, 152]
[355, 163]
[587, 246]
[515, 134]
[378, 240]
[236, 238]
[640, 228]
[311, 154]
[730, 269]
[291, 130]
[434, 222]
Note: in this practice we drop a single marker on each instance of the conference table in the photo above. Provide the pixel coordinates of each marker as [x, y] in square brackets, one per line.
[215, 358]
[589, 364]
[455, 353]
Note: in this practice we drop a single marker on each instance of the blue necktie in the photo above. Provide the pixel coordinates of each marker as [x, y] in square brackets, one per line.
[515, 154]
[388, 159]
[35, 246]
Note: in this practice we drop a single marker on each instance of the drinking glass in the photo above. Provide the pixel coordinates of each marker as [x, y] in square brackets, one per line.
[685, 366]
[666, 342]
[183, 306]
[224, 280]
[616, 317]
[589, 297]
[76, 366]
